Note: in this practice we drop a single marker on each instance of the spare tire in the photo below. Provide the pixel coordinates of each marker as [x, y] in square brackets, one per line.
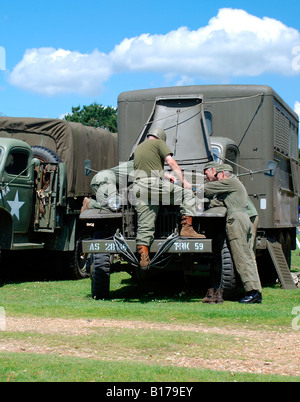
[45, 155]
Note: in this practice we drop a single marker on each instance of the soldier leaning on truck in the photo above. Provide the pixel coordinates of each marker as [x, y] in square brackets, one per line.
[211, 175]
[150, 189]
[238, 228]
[106, 184]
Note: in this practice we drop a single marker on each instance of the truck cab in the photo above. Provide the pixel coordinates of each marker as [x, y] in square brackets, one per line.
[16, 190]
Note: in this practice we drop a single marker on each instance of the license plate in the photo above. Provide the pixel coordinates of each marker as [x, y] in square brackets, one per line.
[179, 246]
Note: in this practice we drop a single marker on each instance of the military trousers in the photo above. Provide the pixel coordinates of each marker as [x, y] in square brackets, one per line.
[149, 195]
[238, 230]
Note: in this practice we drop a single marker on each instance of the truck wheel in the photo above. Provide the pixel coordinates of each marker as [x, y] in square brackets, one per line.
[228, 273]
[100, 276]
[75, 264]
[83, 262]
[45, 155]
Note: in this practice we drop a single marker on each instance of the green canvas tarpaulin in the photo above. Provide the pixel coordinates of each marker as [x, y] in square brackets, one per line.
[72, 142]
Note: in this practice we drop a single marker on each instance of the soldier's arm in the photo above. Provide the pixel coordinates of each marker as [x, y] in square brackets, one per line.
[177, 171]
[216, 187]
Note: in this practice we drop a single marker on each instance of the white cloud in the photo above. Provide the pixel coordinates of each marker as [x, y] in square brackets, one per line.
[49, 71]
[297, 108]
[234, 43]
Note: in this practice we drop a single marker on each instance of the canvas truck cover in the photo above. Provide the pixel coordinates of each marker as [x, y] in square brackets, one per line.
[72, 142]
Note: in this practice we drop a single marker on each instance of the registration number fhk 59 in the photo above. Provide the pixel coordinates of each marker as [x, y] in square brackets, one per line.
[179, 246]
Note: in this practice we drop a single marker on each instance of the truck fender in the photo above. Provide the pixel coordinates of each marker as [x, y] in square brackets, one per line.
[6, 229]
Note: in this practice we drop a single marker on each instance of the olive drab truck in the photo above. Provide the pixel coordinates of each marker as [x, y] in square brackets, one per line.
[42, 187]
[249, 127]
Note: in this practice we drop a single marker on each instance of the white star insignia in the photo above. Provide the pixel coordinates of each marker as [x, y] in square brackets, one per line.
[15, 206]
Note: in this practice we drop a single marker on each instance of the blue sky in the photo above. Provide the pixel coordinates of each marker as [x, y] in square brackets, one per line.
[59, 54]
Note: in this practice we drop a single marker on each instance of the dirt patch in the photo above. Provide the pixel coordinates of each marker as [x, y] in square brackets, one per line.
[267, 352]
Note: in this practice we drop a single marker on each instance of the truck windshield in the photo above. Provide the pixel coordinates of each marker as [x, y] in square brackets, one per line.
[181, 119]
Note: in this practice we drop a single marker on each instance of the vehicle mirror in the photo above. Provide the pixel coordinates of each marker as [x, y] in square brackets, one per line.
[270, 168]
[87, 167]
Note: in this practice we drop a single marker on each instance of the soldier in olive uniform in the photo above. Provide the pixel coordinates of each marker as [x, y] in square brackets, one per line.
[238, 227]
[151, 189]
[106, 184]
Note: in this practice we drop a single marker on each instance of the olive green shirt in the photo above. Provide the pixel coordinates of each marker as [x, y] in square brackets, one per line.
[231, 191]
[149, 158]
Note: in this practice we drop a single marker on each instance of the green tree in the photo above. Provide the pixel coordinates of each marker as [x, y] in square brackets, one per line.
[95, 115]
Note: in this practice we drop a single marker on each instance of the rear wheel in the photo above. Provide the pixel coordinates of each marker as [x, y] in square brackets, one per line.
[76, 263]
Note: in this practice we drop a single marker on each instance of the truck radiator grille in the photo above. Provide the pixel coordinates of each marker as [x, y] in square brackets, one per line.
[167, 221]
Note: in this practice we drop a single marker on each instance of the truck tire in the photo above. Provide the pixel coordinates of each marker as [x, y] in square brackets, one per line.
[228, 273]
[45, 155]
[76, 265]
[100, 276]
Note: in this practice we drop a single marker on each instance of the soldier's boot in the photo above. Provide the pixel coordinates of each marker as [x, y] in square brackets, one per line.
[144, 256]
[213, 297]
[210, 296]
[85, 204]
[219, 296]
[187, 229]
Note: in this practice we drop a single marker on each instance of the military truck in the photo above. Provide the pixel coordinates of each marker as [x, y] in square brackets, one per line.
[251, 128]
[42, 186]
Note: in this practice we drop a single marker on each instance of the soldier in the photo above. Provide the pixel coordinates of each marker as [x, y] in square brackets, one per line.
[214, 293]
[151, 189]
[238, 227]
[210, 171]
[105, 184]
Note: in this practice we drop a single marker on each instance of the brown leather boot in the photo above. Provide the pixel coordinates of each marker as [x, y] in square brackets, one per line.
[219, 296]
[85, 204]
[210, 296]
[213, 296]
[187, 228]
[144, 256]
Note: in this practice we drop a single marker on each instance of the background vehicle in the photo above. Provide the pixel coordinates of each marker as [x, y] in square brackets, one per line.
[42, 186]
[247, 126]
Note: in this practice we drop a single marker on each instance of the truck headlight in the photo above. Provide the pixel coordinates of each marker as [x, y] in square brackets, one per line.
[115, 203]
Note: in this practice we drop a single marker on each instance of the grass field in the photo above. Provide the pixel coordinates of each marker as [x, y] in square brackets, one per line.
[156, 332]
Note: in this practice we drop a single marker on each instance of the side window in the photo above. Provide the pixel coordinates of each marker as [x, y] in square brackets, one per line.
[231, 156]
[216, 151]
[16, 163]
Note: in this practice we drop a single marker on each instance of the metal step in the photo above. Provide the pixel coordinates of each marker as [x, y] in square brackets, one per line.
[27, 246]
[281, 266]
